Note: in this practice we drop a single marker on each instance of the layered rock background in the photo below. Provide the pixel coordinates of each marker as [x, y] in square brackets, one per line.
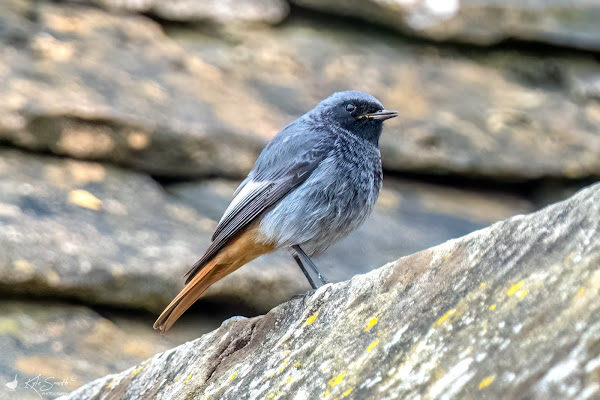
[125, 127]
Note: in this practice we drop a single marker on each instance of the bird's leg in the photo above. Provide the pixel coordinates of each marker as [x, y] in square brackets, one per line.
[304, 271]
[310, 263]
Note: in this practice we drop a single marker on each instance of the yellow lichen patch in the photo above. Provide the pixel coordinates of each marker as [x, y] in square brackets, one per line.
[311, 319]
[52, 278]
[569, 257]
[325, 393]
[289, 380]
[444, 317]
[482, 284]
[110, 384]
[50, 48]
[579, 293]
[285, 364]
[64, 23]
[84, 199]
[188, 378]
[337, 380]
[438, 373]
[137, 371]
[372, 322]
[8, 325]
[521, 294]
[373, 344]
[117, 271]
[515, 288]
[492, 307]
[233, 376]
[176, 379]
[22, 269]
[347, 392]
[23, 266]
[592, 111]
[83, 140]
[487, 381]
[84, 172]
[297, 365]
[273, 395]
[138, 140]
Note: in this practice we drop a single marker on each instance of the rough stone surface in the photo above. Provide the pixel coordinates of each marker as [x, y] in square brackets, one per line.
[498, 114]
[77, 81]
[104, 235]
[509, 311]
[81, 82]
[216, 11]
[483, 22]
[101, 234]
[53, 348]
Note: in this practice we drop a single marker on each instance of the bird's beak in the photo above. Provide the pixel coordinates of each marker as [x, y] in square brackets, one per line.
[381, 115]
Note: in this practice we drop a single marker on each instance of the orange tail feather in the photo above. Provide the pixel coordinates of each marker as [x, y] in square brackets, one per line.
[239, 251]
[184, 300]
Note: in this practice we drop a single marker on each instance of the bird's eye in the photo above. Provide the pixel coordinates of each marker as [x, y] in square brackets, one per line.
[350, 107]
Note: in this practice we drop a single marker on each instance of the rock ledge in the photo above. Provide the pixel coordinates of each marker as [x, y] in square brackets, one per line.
[508, 311]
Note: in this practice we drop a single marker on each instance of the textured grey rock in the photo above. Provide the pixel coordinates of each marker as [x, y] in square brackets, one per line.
[483, 22]
[82, 82]
[216, 11]
[510, 311]
[53, 348]
[104, 235]
[496, 114]
[78, 81]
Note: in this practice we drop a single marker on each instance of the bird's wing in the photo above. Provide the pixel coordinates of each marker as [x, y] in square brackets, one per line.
[289, 151]
[254, 197]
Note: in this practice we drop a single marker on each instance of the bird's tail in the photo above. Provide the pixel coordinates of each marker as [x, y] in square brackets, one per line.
[242, 249]
[188, 296]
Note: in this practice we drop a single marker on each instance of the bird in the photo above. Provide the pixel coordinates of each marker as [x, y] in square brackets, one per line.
[314, 182]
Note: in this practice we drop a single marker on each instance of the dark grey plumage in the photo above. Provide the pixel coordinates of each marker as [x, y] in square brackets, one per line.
[315, 181]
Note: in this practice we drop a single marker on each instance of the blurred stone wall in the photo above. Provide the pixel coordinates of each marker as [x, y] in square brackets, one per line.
[125, 126]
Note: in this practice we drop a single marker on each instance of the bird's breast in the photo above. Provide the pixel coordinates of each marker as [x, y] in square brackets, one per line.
[336, 199]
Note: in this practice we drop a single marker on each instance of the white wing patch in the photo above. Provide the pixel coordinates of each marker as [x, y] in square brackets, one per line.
[243, 197]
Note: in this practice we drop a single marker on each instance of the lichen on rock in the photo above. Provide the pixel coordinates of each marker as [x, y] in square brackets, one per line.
[507, 311]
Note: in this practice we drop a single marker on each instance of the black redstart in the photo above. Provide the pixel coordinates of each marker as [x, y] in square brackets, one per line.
[315, 182]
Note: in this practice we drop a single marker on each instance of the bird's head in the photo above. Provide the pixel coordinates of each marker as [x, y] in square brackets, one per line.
[355, 111]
